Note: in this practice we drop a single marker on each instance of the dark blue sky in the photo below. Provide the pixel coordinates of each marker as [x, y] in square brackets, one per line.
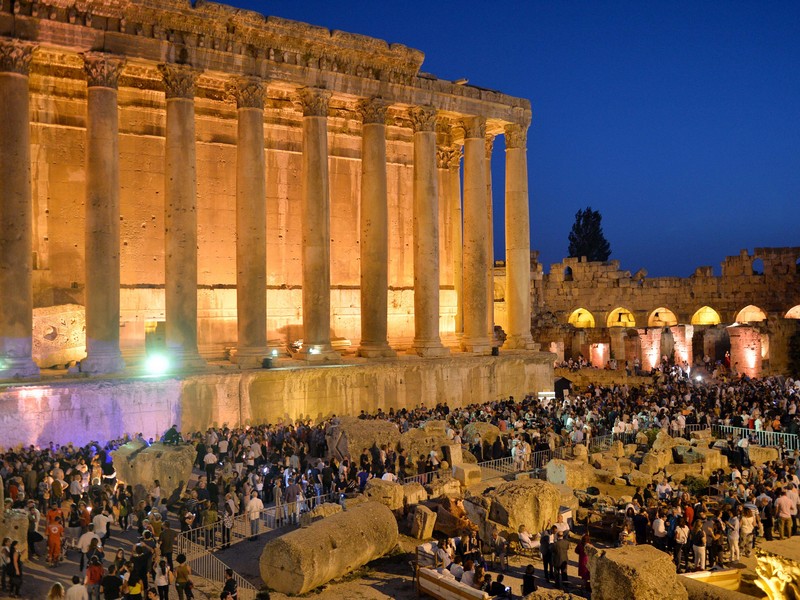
[678, 121]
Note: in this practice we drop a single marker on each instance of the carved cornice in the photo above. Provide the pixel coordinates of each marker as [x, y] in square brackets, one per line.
[448, 157]
[373, 110]
[489, 139]
[179, 80]
[15, 56]
[248, 92]
[102, 70]
[516, 135]
[313, 101]
[474, 127]
[423, 118]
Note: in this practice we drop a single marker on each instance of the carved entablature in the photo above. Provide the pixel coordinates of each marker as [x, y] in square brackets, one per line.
[516, 135]
[372, 110]
[423, 118]
[313, 101]
[102, 70]
[179, 80]
[474, 127]
[448, 157]
[15, 56]
[248, 92]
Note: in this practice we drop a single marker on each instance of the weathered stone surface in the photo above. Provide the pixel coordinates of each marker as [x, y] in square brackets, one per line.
[699, 590]
[420, 441]
[548, 594]
[531, 502]
[625, 465]
[617, 449]
[59, 334]
[700, 434]
[444, 486]
[677, 473]
[14, 525]
[631, 449]
[712, 458]
[607, 463]
[654, 461]
[388, 493]
[778, 576]
[664, 442]
[580, 452]
[603, 476]
[454, 454]
[575, 474]
[487, 432]
[760, 455]
[423, 522]
[639, 572]
[138, 465]
[351, 435]
[467, 475]
[641, 439]
[308, 557]
[414, 493]
[637, 478]
[687, 455]
[452, 517]
[326, 509]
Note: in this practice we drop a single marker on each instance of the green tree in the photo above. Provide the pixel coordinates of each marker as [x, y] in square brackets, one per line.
[586, 238]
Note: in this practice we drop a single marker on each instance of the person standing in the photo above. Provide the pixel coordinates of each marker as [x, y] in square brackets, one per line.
[77, 591]
[560, 558]
[253, 509]
[230, 585]
[546, 549]
[14, 570]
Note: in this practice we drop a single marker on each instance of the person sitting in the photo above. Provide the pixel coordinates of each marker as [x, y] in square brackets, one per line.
[172, 436]
[526, 539]
[498, 588]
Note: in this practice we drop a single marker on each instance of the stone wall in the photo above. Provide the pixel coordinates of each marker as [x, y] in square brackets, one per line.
[100, 409]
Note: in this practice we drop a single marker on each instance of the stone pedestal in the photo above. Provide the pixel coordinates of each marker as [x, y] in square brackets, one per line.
[316, 229]
[102, 216]
[180, 219]
[16, 214]
[426, 236]
[374, 232]
[518, 240]
[251, 224]
[476, 337]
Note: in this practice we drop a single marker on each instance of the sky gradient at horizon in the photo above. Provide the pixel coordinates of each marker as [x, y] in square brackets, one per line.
[677, 121]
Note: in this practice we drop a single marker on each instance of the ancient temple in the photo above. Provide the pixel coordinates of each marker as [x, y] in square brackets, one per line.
[242, 183]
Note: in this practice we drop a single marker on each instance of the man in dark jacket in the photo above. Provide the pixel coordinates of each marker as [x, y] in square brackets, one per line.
[560, 558]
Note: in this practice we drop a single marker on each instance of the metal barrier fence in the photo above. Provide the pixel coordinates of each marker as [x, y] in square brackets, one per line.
[790, 441]
[206, 565]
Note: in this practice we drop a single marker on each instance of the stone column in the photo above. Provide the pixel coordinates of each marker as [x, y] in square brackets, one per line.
[475, 232]
[426, 235]
[518, 240]
[650, 340]
[489, 239]
[449, 232]
[16, 214]
[745, 350]
[456, 234]
[180, 218]
[315, 209]
[374, 231]
[251, 223]
[102, 216]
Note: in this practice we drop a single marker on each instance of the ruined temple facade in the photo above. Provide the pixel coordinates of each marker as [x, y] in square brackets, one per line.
[233, 183]
[597, 310]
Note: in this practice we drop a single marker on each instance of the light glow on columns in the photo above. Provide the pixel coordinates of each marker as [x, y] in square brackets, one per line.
[156, 364]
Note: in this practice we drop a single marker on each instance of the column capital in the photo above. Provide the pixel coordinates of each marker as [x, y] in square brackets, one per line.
[489, 139]
[474, 127]
[448, 157]
[423, 118]
[313, 101]
[15, 56]
[179, 80]
[248, 92]
[372, 110]
[516, 135]
[102, 70]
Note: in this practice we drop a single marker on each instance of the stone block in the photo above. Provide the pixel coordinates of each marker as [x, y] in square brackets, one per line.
[654, 461]
[453, 454]
[486, 431]
[640, 572]
[760, 455]
[604, 476]
[388, 493]
[350, 435]
[326, 509]
[617, 449]
[414, 493]
[700, 434]
[530, 502]
[642, 439]
[639, 479]
[14, 525]
[631, 449]
[467, 475]
[444, 486]
[420, 441]
[712, 458]
[309, 557]
[580, 452]
[423, 522]
[138, 465]
[625, 465]
[665, 442]
[687, 455]
[678, 473]
[607, 463]
[575, 474]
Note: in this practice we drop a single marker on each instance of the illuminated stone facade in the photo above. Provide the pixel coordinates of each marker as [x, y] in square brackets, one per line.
[602, 312]
[241, 182]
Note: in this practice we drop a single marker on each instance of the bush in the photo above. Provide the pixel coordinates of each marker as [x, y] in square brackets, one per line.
[651, 434]
[697, 486]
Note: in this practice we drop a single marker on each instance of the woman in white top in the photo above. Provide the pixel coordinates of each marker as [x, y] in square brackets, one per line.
[163, 579]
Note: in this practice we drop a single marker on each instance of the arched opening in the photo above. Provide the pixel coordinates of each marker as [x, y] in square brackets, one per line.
[620, 317]
[568, 274]
[758, 267]
[581, 318]
[662, 317]
[793, 313]
[705, 316]
[751, 314]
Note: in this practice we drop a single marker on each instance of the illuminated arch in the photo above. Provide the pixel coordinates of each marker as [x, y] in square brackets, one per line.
[581, 318]
[751, 314]
[706, 316]
[794, 312]
[662, 317]
[620, 317]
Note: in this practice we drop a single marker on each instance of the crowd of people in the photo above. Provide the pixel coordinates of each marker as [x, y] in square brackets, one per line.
[70, 494]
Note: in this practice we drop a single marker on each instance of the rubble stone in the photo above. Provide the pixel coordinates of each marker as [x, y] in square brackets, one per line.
[530, 502]
[576, 474]
[138, 465]
[326, 509]
[423, 522]
[388, 493]
[760, 455]
[414, 493]
[640, 572]
[617, 449]
[444, 486]
[580, 452]
[467, 475]
[306, 558]
[351, 435]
